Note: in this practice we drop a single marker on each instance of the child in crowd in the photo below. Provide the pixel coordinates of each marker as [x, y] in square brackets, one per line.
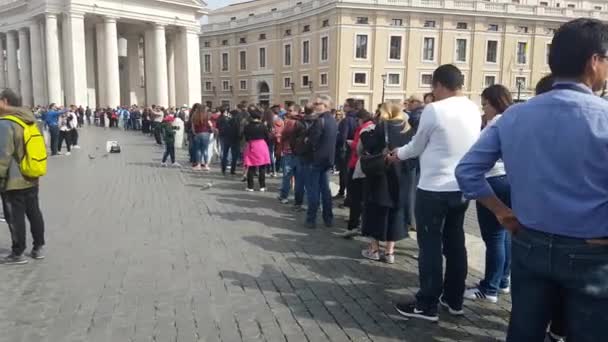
[168, 133]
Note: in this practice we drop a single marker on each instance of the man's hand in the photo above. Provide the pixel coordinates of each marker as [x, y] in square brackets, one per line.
[509, 221]
[392, 157]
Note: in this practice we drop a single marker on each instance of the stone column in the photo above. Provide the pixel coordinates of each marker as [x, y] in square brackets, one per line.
[52, 60]
[149, 66]
[2, 64]
[133, 63]
[89, 42]
[101, 66]
[188, 68]
[38, 82]
[25, 71]
[11, 59]
[76, 69]
[171, 72]
[160, 87]
[111, 62]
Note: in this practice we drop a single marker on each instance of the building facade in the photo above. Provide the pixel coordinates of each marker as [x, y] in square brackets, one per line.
[101, 52]
[277, 51]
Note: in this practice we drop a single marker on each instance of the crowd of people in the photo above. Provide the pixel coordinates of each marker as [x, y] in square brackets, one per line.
[535, 170]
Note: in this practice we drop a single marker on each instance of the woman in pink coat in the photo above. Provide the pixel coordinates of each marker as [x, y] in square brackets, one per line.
[256, 154]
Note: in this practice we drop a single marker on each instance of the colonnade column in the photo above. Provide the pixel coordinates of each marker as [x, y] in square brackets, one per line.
[11, 60]
[160, 87]
[38, 83]
[25, 70]
[171, 72]
[133, 67]
[111, 62]
[76, 69]
[2, 64]
[187, 56]
[52, 60]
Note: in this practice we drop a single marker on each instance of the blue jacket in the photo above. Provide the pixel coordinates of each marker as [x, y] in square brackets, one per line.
[346, 128]
[322, 138]
[51, 117]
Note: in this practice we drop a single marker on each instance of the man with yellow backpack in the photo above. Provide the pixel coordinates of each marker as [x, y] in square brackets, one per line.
[22, 163]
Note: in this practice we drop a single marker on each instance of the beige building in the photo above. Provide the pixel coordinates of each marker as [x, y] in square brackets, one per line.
[275, 51]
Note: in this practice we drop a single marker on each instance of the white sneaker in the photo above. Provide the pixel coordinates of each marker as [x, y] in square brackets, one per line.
[389, 258]
[176, 164]
[476, 294]
[452, 312]
[366, 253]
[248, 190]
[283, 200]
[262, 189]
[505, 290]
[68, 153]
[59, 153]
[163, 164]
[76, 147]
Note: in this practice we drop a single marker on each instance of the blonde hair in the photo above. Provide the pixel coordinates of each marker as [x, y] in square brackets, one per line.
[393, 112]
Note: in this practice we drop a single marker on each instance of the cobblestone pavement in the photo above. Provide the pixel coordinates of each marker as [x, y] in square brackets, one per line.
[142, 253]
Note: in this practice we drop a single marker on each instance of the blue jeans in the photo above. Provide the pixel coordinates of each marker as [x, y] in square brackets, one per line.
[235, 149]
[318, 188]
[201, 147]
[273, 160]
[440, 219]
[550, 268]
[497, 240]
[290, 169]
[301, 180]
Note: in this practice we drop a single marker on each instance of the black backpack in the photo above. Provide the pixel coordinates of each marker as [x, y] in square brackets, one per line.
[302, 146]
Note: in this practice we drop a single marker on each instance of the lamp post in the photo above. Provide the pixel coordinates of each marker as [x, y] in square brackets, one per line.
[383, 86]
[310, 86]
[519, 85]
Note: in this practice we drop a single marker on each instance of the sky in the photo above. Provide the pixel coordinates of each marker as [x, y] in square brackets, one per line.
[213, 4]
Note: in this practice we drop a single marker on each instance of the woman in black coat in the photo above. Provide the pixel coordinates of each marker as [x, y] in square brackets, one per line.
[383, 213]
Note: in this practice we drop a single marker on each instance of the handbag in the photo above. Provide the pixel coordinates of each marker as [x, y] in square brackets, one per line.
[375, 164]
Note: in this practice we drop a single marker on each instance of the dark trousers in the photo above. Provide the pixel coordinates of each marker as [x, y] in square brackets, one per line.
[318, 190]
[440, 219]
[54, 132]
[261, 176]
[355, 197]
[169, 152]
[156, 131]
[74, 137]
[301, 176]
[234, 148]
[342, 165]
[16, 205]
[67, 137]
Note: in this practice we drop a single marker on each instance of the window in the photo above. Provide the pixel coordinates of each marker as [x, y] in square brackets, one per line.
[520, 81]
[362, 20]
[522, 50]
[242, 40]
[287, 55]
[305, 81]
[226, 85]
[305, 52]
[395, 48]
[324, 48]
[515, 1]
[489, 81]
[251, 14]
[262, 57]
[225, 42]
[323, 78]
[544, 3]
[393, 79]
[360, 78]
[361, 46]
[287, 82]
[207, 63]
[491, 51]
[397, 22]
[243, 60]
[262, 36]
[597, 8]
[325, 23]
[547, 51]
[243, 85]
[461, 50]
[287, 32]
[462, 26]
[232, 18]
[571, 6]
[209, 104]
[428, 52]
[522, 29]
[225, 61]
[274, 9]
[208, 86]
[429, 23]
[493, 27]
[206, 44]
[426, 80]
[306, 28]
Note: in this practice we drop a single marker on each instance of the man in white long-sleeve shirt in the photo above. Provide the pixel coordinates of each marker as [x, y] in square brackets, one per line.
[448, 128]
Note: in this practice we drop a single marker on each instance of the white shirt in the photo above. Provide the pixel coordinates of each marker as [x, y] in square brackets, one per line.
[447, 129]
[499, 167]
[157, 116]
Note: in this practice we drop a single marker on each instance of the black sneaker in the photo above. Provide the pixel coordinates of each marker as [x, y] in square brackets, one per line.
[13, 259]
[37, 253]
[338, 196]
[409, 310]
[453, 312]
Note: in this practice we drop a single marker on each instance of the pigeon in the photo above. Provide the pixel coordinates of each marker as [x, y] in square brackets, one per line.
[207, 186]
[105, 155]
[91, 156]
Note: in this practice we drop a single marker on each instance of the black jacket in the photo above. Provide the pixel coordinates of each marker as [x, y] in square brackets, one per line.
[322, 139]
[256, 130]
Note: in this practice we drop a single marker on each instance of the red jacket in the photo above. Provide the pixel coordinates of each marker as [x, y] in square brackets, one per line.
[354, 157]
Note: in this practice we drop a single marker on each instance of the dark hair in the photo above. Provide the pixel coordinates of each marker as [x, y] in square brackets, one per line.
[12, 98]
[308, 109]
[255, 113]
[448, 76]
[545, 84]
[428, 95]
[350, 102]
[574, 43]
[364, 115]
[498, 96]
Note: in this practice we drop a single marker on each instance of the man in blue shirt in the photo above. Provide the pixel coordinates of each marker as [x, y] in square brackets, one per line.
[51, 119]
[554, 148]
